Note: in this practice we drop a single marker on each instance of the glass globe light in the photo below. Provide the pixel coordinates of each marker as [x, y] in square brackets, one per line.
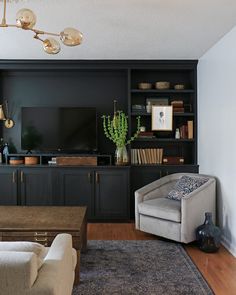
[51, 46]
[71, 37]
[26, 18]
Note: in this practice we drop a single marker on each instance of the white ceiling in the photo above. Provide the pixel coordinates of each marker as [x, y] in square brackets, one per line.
[124, 29]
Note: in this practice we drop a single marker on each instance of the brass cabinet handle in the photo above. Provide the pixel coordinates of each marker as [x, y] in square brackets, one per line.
[41, 239]
[14, 177]
[97, 177]
[167, 172]
[42, 234]
[89, 177]
[22, 176]
[160, 174]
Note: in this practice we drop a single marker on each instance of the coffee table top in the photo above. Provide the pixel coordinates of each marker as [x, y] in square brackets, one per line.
[48, 218]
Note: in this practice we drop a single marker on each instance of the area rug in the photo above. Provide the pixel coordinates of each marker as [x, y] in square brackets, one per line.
[139, 267]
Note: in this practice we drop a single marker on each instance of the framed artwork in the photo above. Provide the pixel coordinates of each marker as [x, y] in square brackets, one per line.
[162, 118]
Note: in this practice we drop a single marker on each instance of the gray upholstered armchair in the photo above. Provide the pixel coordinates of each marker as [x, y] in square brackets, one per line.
[175, 220]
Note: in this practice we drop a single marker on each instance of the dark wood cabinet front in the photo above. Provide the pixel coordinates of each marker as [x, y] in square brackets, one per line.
[36, 186]
[112, 194]
[76, 188]
[8, 186]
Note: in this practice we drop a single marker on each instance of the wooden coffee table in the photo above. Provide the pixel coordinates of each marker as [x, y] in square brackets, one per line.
[42, 223]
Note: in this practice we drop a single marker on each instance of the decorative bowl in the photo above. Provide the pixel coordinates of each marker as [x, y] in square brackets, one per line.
[162, 85]
[144, 85]
[179, 86]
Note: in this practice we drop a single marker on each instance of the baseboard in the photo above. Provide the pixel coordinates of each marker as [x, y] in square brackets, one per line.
[228, 245]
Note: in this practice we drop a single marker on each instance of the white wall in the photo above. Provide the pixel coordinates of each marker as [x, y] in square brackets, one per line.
[217, 128]
[123, 29]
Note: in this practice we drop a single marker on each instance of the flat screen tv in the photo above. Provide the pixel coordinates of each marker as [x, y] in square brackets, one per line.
[65, 129]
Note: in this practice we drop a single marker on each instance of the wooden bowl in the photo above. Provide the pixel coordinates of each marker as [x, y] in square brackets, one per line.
[31, 160]
[144, 86]
[16, 161]
[162, 85]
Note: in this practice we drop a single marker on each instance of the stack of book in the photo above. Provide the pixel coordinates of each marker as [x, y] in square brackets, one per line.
[146, 156]
[178, 106]
[186, 131]
[146, 134]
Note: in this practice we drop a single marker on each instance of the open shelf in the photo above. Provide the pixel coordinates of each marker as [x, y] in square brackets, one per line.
[164, 140]
[162, 91]
[175, 114]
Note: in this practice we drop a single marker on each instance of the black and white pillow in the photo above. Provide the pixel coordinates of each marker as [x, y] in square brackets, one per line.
[185, 185]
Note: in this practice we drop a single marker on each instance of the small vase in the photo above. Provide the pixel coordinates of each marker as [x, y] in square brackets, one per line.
[121, 156]
[208, 235]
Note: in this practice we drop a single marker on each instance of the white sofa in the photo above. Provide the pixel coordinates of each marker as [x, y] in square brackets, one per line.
[50, 272]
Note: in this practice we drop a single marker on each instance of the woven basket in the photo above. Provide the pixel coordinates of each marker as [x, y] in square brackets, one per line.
[31, 160]
[162, 85]
[144, 86]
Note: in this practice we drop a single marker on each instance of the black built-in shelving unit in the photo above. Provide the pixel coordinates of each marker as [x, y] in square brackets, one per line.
[97, 83]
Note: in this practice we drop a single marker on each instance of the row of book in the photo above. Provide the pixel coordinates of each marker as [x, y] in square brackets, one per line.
[146, 156]
[186, 131]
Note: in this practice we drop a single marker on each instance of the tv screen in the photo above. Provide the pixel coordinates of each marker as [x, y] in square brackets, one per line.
[59, 129]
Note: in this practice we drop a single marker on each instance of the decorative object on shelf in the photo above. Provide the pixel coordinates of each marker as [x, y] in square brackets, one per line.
[145, 86]
[16, 160]
[162, 118]
[116, 130]
[160, 101]
[142, 128]
[208, 235]
[138, 108]
[26, 20]
[5, 116]
[149, 107]
[179, 86]
[190, 129]
[31, 160]
[162, 85]
[171, 160]
[31, 138]
[178, 106]
[177, 133]
[146, 134]
[1, 149]
[5, 152]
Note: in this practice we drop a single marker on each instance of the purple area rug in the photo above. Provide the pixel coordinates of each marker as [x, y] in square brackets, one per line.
[139, 267]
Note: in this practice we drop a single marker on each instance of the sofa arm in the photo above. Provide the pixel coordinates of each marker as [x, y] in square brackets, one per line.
[193, 208]
[56, 276]
[18, 272]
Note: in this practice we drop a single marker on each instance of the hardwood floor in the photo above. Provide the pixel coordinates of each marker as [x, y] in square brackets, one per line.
[219, 269]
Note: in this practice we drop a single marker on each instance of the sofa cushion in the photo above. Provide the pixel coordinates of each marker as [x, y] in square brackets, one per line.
[185, 185]
[161, 208]
[36, 248]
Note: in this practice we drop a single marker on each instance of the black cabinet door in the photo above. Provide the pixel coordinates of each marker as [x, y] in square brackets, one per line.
[76, 188]
[8, 186]
[36, 186]
[112, 194]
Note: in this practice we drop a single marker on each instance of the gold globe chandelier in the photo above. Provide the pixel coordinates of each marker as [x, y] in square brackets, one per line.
[26, 20]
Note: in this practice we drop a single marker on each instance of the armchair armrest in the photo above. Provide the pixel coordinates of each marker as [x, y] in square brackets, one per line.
[156, 189]
[193, 208]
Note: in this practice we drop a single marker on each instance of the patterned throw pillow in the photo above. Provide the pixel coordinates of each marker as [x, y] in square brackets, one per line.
[185, 185]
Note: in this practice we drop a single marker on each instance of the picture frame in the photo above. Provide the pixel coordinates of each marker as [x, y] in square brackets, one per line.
[162, 118]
